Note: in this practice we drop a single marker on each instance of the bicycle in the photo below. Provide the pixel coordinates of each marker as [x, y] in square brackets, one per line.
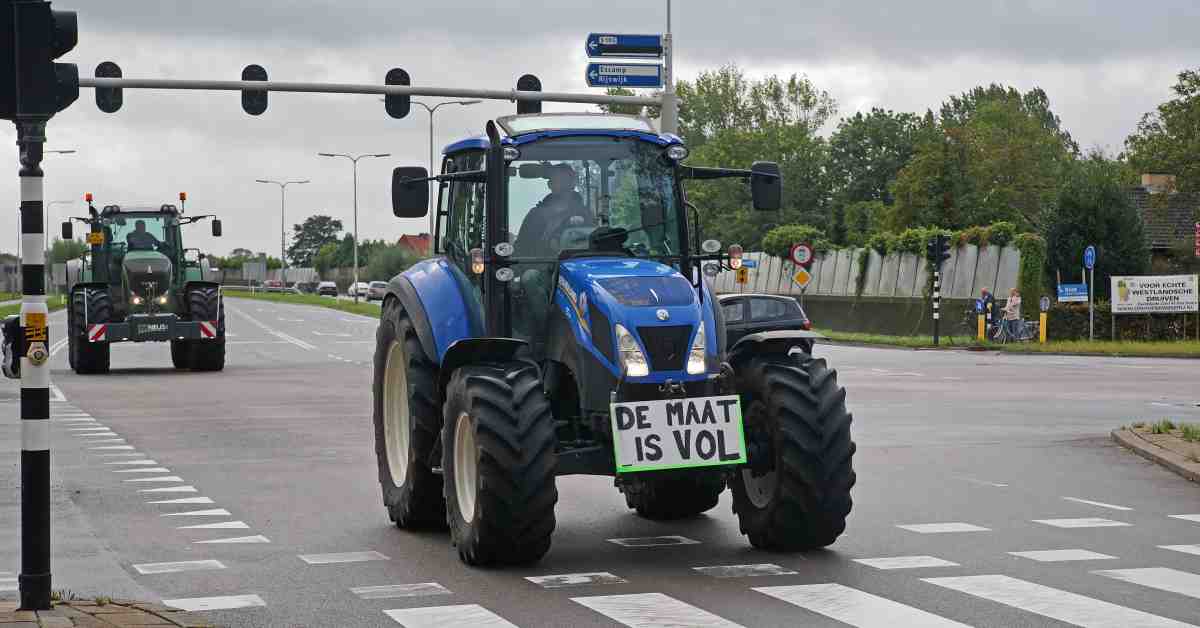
[1025, 331]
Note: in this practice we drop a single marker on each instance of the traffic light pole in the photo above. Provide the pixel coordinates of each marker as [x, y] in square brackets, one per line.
[35, 375]
[937, 300]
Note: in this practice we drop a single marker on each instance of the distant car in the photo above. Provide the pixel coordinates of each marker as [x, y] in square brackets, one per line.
[377, 290]
[273, 285]
[359, 289]
[751, 313]
[327, 289]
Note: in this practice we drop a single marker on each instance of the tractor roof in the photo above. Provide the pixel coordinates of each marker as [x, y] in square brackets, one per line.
[522, 129]
[140, 209]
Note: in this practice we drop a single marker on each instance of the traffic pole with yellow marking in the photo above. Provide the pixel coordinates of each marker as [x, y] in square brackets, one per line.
[1042, 327]
[979, 328]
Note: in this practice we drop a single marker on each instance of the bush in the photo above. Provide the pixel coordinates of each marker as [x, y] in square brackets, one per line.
[973, 235]
[387, 263]
[883, 243]
[778, 241]
[913, 241]
[1069, 321]
[1001, 233]
[1031, 275]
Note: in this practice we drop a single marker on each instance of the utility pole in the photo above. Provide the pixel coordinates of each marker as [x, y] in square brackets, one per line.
[669, 120]
[354, 161]
[431, 110]
[282, 221]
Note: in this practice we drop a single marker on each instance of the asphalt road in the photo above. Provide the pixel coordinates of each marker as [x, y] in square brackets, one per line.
[278, 449]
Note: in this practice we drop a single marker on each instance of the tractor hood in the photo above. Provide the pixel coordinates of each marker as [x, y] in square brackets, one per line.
[147, 273]
[652, 301]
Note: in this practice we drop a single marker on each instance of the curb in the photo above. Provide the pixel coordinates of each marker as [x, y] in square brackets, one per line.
[1154, 453]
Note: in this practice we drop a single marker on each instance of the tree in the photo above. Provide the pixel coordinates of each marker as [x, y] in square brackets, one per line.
[309, 237]
[1167, 139]
[63, 250]
[388, 261]
[630, 110]
[241, 253]
[867, 151]
[1093, 208]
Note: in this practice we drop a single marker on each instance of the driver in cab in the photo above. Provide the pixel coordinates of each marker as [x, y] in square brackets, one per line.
[563, 207]
[141, 240]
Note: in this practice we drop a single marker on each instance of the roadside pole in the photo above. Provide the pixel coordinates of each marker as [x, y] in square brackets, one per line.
[1089, 261]
[937, 301]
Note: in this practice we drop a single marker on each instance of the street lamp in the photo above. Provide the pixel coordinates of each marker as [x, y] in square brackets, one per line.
[354, 160]
[282, 222]
[433, 196]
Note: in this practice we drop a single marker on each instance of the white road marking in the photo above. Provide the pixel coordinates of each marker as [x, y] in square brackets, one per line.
[1086, 522]
[854, 607]
[56, 394]
[1063, 555]
[77, 420]
[332, 334]
[1057, 604]
[107, 440]
[277, 334]
[161, 478]
[744, 571]
[389, 591]
[459, 616]
[1186, 549]
[106, 432]
[905, 562]
[1161, 578]
[1195, 518]
[114, 447]
[654, 541]
[342, 557]
[258, 538]
[223, 525]
[1100, 504]
[652, 610]
[186, 565]
[134, 454]
[170, 489]
[211, 512]
[574, 579]
[89, 429]
[145, 470]
[292, 320]
[184, 500]
[222, 602]
[939, 528]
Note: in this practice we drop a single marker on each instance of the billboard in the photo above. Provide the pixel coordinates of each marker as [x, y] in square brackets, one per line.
[1147, 294]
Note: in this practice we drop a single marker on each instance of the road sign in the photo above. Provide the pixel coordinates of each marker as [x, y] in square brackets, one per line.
[616, 45]
[742, 275]
[1044, 304]
[1089, 257]
[802, 278]
[624, 75]
[801, 255]
[1072, 293]
[749, 263]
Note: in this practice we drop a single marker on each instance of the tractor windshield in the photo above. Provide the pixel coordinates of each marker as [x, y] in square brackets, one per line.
[138, 232]
[560, 190]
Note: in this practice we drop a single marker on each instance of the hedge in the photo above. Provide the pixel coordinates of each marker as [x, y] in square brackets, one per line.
[1069, 321]
[1031, 275]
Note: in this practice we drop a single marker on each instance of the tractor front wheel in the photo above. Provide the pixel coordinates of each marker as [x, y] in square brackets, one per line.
[181, 354]
[498, 462]
[796, 496]
[94, 307]
[204, 304]
[664, 495]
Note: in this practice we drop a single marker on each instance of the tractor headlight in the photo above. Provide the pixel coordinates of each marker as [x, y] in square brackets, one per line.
[632, 358]
[162, 300]
[695, 363]
[136, 300]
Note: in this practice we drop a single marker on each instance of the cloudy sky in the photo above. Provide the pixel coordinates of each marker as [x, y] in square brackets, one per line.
[1103, 62]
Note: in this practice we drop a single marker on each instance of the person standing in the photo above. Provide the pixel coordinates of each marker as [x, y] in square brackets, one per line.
[1012, 312]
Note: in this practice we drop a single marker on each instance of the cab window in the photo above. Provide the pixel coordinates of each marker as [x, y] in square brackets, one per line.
[464, 201]
[733, 311]
[767, 309]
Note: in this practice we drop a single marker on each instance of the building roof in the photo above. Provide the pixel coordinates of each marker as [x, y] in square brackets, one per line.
[416, 243]
[1167, 217]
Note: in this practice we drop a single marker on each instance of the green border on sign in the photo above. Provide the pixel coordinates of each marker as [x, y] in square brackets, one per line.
[666, 467]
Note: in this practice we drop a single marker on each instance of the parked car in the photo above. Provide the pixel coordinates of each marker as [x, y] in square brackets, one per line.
[273, 285]
[751, 313]
[327, 289]
[359, 289]
[377, 290]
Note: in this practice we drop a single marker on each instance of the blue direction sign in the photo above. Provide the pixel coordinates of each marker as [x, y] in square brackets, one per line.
[624, 75]
[749, 263]
[1072, 293]
[1089, 257]
[614, 45]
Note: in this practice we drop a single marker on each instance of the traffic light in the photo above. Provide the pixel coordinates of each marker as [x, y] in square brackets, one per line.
[40, 35]
[254, 102]
[109, 99]
[8, 63]
[931, 249]
[943, 251]
[397, 106]
[529, 83]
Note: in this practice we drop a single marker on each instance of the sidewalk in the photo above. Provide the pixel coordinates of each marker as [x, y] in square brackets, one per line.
[102, 614]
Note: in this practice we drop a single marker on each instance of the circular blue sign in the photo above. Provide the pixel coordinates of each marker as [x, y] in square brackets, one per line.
[1089, 257]
[978, 305]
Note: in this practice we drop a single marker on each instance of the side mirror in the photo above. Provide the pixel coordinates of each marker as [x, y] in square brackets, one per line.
[216, 227]
[766, 186]
[410, 192]
[67, 232]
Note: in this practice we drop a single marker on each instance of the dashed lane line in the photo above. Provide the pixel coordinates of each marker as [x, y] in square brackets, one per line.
[1195, 518]
[1186, 549]
[342, 557]
[184, 500]
[161, 478]
[905, 562]
[1100, 504]
[143, 470]
[1062, 555]
[278, 334]
[1084, 522]
[170, 489]
[223, 602]
[224, 525]
[744, 571]
[177, 567]
[942, 528]
[1161, 578]
[211, 512]
[390, 591]
[257, 538]
[133, 462]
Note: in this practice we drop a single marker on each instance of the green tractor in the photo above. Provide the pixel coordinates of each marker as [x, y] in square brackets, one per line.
[138, 284]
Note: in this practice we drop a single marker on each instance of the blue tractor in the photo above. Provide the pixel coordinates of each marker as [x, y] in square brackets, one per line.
[566, 325]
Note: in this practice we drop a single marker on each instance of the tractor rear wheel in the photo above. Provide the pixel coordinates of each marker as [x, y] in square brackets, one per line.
[181, 355]
[664, 495]
[798, 497]
[93, 306]
[498, 462]
[204, 304]
[407, 424]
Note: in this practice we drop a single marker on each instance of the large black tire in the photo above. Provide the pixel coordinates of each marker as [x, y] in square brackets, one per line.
[793, 405]
[181, 354]
[204, 304]
[664, 495]
[497, 420]
[413, 493]
[93, 306]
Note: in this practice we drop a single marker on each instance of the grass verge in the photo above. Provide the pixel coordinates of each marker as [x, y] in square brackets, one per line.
[362, 307]
[56, 302]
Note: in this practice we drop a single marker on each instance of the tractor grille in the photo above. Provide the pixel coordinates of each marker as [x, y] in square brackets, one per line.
[666, 345]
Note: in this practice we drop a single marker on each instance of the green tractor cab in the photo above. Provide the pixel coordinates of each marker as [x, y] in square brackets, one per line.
[137, 284]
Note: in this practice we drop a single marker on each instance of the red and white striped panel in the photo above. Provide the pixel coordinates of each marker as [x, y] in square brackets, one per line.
[208, 329]
[97, 333]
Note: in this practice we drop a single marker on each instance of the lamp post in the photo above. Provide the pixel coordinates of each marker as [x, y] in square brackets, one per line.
[282, 222]
[354, 161]
[432, 197]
